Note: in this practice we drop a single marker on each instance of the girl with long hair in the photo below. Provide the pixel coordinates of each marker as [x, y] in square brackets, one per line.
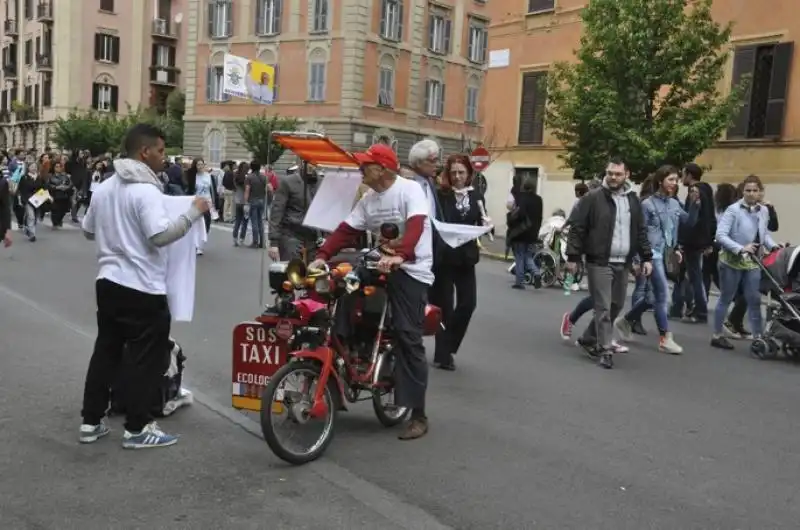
[461, 204]
[663, 214]
[240, 220]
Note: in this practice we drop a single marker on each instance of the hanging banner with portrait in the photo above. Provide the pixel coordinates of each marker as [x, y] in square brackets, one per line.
[245, 78]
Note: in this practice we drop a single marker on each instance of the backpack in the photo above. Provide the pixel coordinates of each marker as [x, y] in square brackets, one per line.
[172, 395]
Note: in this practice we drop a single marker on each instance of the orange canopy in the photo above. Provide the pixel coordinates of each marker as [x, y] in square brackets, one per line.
[315, 149]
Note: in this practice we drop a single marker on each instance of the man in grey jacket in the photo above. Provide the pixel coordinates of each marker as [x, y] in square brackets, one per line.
[287, 235]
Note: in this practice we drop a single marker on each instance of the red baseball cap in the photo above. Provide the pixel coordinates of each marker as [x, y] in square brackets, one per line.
[380, 154]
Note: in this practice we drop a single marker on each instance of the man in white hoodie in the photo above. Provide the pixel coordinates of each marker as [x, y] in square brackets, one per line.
[130, 225]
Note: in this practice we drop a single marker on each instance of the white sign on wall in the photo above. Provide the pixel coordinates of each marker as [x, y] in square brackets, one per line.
[499, 58]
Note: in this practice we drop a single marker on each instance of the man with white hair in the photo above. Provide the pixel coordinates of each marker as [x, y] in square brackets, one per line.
[424, 159]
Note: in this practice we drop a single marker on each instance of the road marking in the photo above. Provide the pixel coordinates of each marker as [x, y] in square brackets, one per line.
[372, 496]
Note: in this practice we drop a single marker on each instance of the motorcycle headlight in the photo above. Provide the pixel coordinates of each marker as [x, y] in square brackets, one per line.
[322, 285]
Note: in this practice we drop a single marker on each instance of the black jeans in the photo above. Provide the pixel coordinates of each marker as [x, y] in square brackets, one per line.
[457, 291]
[132, 348]
[60, 208]
[407, 301]
[207, 219]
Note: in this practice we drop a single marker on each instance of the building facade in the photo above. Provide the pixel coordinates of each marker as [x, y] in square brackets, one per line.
[101, 54]
[527, 37]
[355, 70]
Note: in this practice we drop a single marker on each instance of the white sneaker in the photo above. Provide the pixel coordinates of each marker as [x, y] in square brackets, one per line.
[624, 329]
[616, 347]
[667, 344]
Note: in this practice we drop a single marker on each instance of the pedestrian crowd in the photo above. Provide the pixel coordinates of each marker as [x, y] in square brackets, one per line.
[613, 232]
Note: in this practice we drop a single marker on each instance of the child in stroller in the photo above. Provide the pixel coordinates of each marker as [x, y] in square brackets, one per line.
[779, 281]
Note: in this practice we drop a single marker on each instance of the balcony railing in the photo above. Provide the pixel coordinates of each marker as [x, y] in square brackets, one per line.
[44, 61]
[26, 113]
[164, 75]
[10, 28]
[10, 71]
[44, 12]
[162, 28]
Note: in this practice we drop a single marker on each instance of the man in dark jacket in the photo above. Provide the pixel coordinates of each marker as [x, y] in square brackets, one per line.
[607, 229]
[78, 171]
[287, 235]
[694, 242]
[5, 212]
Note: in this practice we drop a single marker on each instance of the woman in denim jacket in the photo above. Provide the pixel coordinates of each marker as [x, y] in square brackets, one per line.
[742, 231]
[663, 214]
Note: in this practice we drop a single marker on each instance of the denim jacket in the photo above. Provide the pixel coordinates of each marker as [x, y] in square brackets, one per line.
[739, 226]
[659, 213]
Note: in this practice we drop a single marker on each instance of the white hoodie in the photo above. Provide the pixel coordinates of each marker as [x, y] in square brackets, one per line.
[129, 222]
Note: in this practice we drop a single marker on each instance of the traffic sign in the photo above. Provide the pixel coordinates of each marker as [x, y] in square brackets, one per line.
[480, 158]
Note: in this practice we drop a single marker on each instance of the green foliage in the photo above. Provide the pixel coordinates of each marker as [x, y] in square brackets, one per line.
[645, 86]
[255, 132]
[102, 132]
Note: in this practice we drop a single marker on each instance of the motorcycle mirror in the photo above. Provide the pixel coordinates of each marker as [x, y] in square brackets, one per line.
[390, 231]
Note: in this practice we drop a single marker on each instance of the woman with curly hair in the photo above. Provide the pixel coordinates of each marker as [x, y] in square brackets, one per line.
[461, 204]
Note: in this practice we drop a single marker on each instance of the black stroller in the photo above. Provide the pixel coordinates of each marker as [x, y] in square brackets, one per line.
[779, 281]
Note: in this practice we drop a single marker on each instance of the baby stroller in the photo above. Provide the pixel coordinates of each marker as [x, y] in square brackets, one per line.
[779, 282]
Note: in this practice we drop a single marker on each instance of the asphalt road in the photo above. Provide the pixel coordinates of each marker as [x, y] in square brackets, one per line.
[526, 434]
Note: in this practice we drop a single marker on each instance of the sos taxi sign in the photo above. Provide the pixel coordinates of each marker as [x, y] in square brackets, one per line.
[259, 350]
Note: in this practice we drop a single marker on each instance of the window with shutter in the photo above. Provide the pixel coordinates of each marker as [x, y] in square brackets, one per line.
[386, 86]
[115, 50]
[434, 98]
[478, 40]
[220, 19]
[439, 30]
[471, 114]
[316, 84]
[764, 70]
[268, 17]
[320, 16]
[536, 6]
[107, 5]
[532, 108]
[28, 52]
[392, 20]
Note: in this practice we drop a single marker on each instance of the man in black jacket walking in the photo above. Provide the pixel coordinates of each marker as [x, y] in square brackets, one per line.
[5, 212]
[607, 229]
[695, 241]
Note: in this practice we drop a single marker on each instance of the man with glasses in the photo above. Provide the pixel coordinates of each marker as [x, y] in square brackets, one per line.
[607, 229]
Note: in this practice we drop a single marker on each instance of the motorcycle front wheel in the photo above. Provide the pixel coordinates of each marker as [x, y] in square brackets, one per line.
[387, 412]
[289, 396]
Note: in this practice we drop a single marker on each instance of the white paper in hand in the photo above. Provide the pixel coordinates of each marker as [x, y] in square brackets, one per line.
[455, 235]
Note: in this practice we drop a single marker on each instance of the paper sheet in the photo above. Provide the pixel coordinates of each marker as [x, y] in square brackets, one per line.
[334, 200]
[182, 261]
[455, 235]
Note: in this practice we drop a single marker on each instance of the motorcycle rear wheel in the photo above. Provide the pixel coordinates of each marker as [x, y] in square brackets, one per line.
[270, 397]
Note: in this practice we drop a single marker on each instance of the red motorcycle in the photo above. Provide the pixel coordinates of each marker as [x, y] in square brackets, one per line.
[325, 373]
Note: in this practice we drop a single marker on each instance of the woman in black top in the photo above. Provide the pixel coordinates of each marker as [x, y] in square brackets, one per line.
[460, 204]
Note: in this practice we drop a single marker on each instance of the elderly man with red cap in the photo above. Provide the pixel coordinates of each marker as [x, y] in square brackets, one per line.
[402, 202]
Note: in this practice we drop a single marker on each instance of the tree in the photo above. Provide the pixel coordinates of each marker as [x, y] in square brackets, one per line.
[645, 86]
[255, 132]
[81, 130]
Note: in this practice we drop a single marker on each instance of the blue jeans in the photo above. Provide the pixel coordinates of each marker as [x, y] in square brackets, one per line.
[523, 261]
[257, 220]
[583, 307]
[693, 262]
[660, 287]
[641, 290]
[240, 224]
[730, 280]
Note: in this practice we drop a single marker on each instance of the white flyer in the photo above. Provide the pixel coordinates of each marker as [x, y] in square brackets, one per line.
[334, 200]
[455, 235]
